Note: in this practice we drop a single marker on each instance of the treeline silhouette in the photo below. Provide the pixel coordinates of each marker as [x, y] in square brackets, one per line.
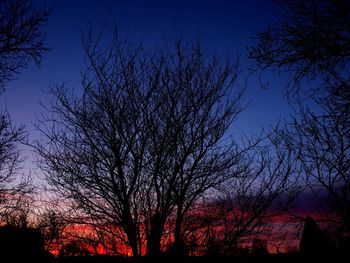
[143, 158]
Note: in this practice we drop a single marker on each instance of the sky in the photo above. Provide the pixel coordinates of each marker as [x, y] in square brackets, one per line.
[224, 27]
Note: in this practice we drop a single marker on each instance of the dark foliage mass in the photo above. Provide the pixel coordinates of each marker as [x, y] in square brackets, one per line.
[314, 240]
[26, 240]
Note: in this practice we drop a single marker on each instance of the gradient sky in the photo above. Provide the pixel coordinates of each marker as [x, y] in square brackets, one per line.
[225, 27]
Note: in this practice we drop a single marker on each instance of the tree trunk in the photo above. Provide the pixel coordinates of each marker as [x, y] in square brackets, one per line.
[154, 237]
[132, 238]
[178, 246]
[131, 232]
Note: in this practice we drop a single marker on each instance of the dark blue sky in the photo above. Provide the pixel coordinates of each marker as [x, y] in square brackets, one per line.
[223, 26]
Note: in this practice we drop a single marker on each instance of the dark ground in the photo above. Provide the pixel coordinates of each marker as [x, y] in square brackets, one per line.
[268, 258]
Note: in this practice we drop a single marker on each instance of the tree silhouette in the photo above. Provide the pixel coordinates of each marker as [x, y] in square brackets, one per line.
[324, 144]
[21, 40]
[259, 247]
[21, 37]
[51, 225]
[12, 191]
[312, 45]
[315, 241]
[268, 189]
[238, 212]
[145, 138]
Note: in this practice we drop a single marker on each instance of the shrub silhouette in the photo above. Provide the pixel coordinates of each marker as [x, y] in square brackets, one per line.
[21, 242]
[314, 240]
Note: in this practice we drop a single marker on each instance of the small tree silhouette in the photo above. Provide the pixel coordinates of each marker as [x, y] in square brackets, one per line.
[314, 240]
[259, 247]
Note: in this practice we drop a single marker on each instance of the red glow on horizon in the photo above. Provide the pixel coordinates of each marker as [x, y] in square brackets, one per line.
[276, 241]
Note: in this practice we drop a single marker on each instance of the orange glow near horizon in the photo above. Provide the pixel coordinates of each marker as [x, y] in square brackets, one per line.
[276, 242]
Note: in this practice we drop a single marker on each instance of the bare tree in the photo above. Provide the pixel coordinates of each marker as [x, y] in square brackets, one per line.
[18, 211]
[268, 190]
[21, 40]
[145, 137]
[240, 210]
[310, 42]
[52, 224]
[195, 102]
[21, 37]
[13, 190]
[324, 152]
